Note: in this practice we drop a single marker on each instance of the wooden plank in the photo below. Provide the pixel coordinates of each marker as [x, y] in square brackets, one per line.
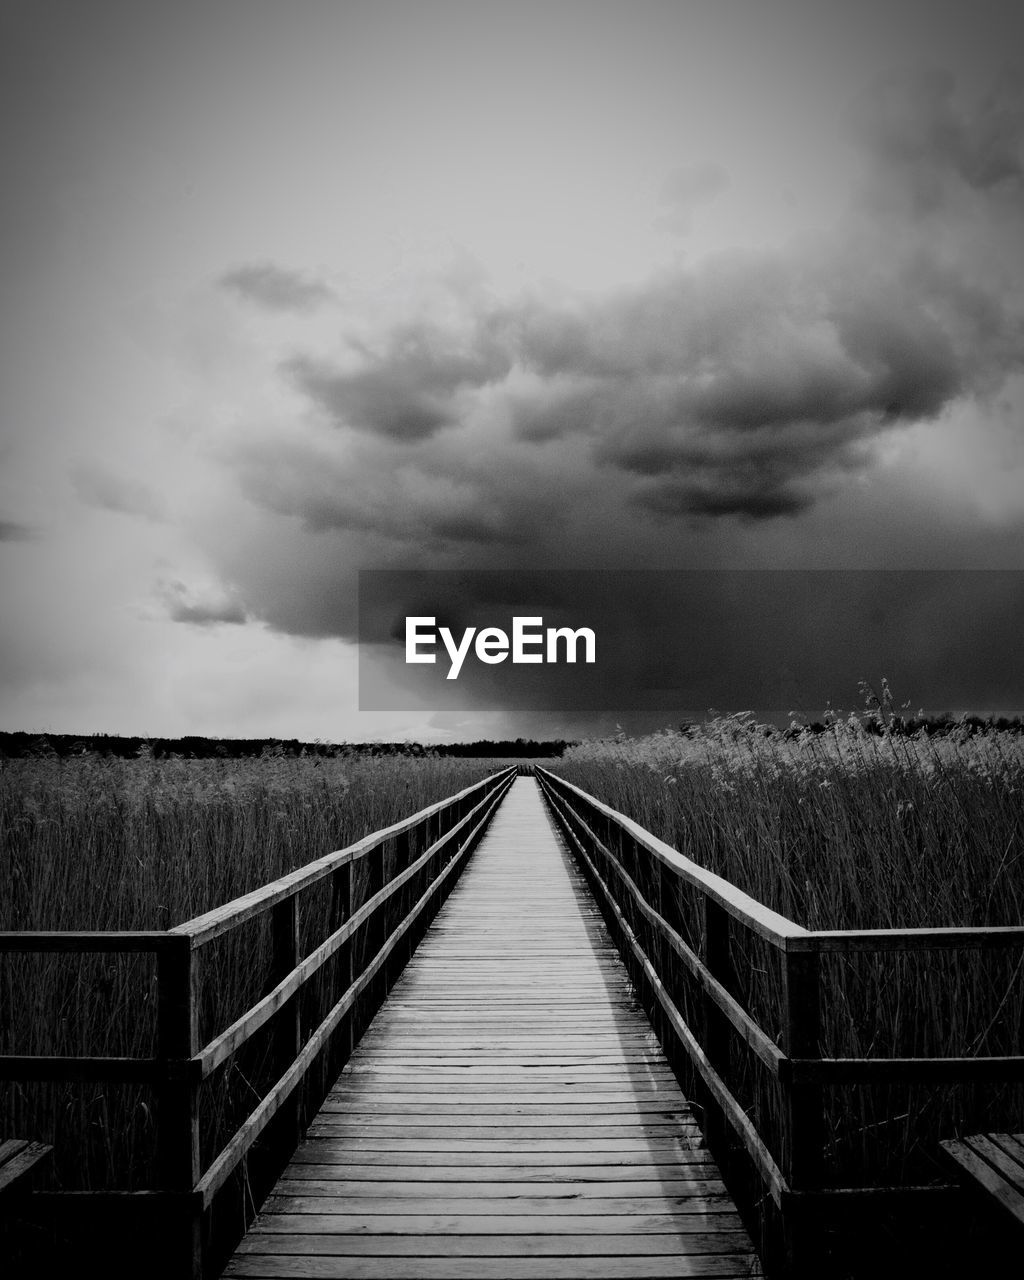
[981, 1173]
[1007, 1166]
[506, 1132]
[495, 1119]
[498, 1168]
[533, 1206]
[515, 1149]
[322, 1154]
[18, 1160]
[575, 1189]
[652, 1070]
[537, 1059]
[493, 1090]
[1012, 1144]
[727, 1267]
[696, 1217]
[696, 1237]
[613, 1105]
[522, 1046]
[10, 1147]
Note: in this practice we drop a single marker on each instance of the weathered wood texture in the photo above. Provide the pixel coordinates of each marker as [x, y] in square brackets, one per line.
[508, 1112]
[19, 1160]
[992, 1163]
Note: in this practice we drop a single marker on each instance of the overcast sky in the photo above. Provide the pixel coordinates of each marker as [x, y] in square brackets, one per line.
[291, 291]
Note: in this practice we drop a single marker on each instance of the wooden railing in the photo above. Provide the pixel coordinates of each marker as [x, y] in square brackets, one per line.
[636, 878]
[417, 858]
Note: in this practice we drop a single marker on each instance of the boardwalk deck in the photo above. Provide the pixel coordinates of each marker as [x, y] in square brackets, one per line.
[509, 1112]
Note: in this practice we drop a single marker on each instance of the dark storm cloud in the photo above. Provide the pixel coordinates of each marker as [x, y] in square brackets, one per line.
[275, 288]
[411, 388]
[98, 487]
[654, 425]
[749, 384]
[765, 370]
[16, 531]
[445, 501]
[691, 497]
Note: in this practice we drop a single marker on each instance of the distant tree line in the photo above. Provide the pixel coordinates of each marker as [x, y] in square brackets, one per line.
[19, 745]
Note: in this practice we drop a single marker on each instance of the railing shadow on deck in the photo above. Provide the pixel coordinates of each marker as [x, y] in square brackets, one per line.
[382, 893]
[682, 931]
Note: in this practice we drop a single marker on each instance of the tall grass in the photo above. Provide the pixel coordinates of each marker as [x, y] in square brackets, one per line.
[102, 843]
[852, 828]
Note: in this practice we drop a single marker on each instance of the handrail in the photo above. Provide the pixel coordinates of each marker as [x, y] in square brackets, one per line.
[449, 828]
[203, 928]
[599, 835]
[772, 926]
[222, 1046]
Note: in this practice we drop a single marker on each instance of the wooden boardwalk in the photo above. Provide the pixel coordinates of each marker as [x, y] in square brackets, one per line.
[509, 1112]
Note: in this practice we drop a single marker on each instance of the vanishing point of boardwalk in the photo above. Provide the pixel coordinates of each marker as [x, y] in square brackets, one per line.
[509, 1112]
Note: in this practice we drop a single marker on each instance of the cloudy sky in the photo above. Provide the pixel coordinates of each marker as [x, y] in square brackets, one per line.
[291, 291]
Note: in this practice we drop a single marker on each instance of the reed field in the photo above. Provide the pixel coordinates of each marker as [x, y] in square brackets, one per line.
[854, 827]
[92, 842]
[859, 826]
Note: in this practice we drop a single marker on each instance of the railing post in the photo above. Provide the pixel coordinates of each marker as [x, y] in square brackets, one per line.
[658, 951]
[341, 911]
[385, 918]
[403, 901]
[803, 1103]
[284, 928]
[718, 958]
[432, 833]
[178, 1104]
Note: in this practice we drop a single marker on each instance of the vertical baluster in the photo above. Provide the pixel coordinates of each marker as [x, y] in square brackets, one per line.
[718, 958]
[658, 948]
[385, 917]
[341, 911]
[803, 1104]
[284, 928]
[403, 902]
[178, 1102]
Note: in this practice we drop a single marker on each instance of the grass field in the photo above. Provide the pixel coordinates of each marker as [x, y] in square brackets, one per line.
[855, 829]
[102, 843]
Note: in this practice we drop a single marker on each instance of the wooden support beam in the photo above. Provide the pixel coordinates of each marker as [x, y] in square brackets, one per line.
[178, 1103]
